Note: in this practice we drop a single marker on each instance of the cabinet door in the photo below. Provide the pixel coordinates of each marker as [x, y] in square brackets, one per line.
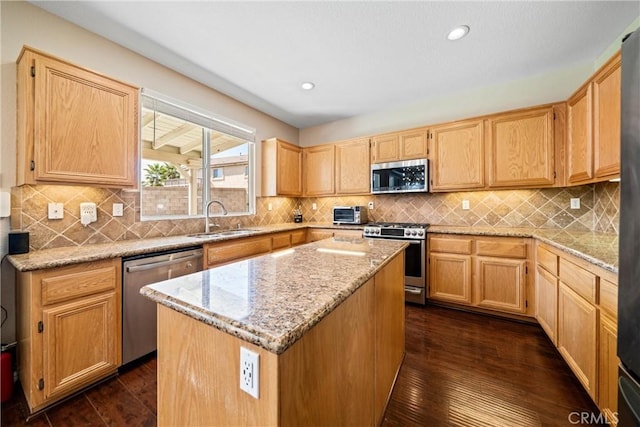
[289, 170]
[352, 167]
[450, 278]
[385, 148]
[457, 156]
[81, 342]
[319, 170]
[225, 252]
[521, 149]
[579, 136]
[577, 336]
[413, 144]
[547, 303]
[318, 234]
[606, 120]
[608, 368]
[85, 126]
[347, 234]
[501, 284]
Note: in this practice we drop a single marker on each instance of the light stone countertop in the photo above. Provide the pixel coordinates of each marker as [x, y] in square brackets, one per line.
[271, 300]
[600, 249]
[57, 257]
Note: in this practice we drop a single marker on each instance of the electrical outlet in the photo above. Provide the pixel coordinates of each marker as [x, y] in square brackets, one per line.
[118, 209]
[465, 205]
[56, 211]
[249, 372]
[88, 213]
[269, 206]
[370, 205]
[314, 206]
[575, 203]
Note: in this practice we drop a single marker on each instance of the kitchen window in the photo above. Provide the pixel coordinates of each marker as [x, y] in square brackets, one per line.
[190, 156]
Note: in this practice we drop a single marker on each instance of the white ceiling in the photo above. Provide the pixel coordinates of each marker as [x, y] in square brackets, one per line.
[363, 57]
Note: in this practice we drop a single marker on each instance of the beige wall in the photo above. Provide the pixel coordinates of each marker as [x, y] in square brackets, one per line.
[24, 24]
[554, 86]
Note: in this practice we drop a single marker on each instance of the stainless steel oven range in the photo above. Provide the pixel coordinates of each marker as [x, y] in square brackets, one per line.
[415, 272]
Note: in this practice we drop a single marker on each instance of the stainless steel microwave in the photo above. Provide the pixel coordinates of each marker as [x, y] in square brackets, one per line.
[400, 177]
[350, 215]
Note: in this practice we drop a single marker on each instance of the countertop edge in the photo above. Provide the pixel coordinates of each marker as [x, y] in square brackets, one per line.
[277, 345]
[537, 234]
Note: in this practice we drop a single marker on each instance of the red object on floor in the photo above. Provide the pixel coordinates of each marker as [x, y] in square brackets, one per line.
[6, 377]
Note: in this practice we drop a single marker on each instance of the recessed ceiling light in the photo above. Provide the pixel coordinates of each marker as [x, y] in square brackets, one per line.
[307, 85]
[458, 32]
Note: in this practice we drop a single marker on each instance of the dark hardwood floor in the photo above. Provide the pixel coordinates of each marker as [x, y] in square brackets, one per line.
[460, 369]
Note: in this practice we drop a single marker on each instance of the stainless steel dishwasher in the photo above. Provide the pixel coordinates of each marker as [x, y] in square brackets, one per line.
[139, 313]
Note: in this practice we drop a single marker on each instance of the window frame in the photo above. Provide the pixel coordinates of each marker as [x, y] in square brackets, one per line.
[207, 174]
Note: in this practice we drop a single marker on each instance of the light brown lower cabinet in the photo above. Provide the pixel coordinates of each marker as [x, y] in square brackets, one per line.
[69, 329]
[314, 234]
[547, 303]
[340, 372]
[450, 278]
[481, 271]
[224, 252]
[586, 316]
[577, 334]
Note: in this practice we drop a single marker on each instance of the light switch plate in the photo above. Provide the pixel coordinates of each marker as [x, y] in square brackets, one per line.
[118, 209]
[56, 211]
[465, 205]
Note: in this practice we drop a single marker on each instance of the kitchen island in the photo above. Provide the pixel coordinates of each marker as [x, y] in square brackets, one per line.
[326, 320]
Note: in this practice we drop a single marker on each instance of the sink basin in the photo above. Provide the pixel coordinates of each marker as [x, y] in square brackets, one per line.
[240, 232]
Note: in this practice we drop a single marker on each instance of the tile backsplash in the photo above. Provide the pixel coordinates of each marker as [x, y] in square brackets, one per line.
[541, 208]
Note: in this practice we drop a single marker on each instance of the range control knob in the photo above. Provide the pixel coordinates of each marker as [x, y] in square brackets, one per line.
[420, 233]
[413, 233]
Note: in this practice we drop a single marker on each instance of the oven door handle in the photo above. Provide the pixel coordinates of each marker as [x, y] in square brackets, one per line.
[415, 242]
[410, 290]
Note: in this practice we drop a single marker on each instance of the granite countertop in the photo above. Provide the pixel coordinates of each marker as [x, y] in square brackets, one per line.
[48, 258]
[600, 249]
[272, 300]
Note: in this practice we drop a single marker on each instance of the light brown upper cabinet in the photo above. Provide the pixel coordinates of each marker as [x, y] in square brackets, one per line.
[406, 145]
[352, 166]
[593, 127]
[384, 148]
[75, 126]
[281, 168]
[457, 156]
[606, 119]
[319, 170]
[521, 149]
[579, 136]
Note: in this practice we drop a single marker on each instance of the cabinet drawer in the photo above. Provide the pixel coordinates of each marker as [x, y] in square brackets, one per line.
[298, 237]
[225, 252]
[609, 297]
[580, 280]
[280, 241]
[68, 283]
[504, 248]
[548, 260]
[450, 245]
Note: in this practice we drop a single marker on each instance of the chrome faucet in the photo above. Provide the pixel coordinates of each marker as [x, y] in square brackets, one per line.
[206, 215]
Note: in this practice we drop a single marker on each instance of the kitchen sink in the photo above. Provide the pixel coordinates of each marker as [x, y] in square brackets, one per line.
[240, 232]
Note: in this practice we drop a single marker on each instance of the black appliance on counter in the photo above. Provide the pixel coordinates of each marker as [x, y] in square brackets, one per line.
[629, 267]
[415, 271]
